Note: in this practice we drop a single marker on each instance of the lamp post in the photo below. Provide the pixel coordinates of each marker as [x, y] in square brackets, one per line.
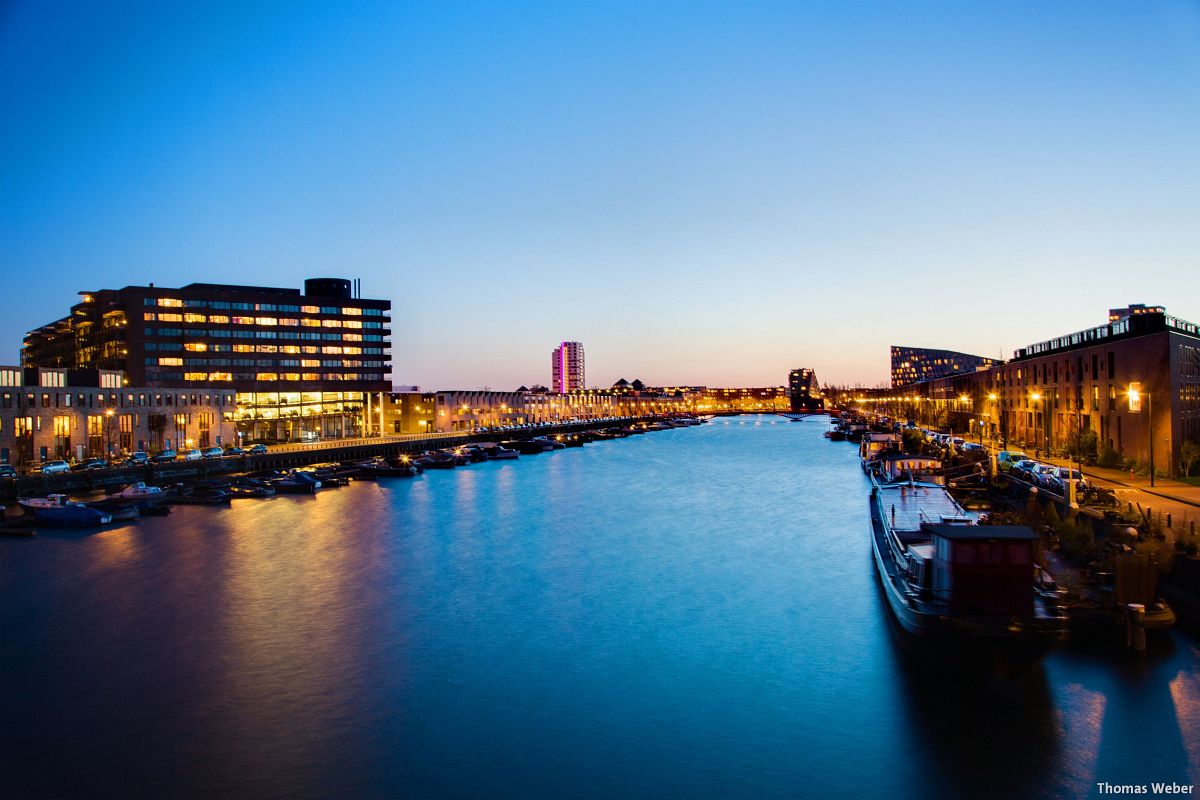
[108, 426]
[1037, 398]
[1135, 405]
[992, 396]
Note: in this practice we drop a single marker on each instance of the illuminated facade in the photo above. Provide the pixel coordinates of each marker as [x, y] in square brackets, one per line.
[301, 365]
[1106, 380]
[50, 413]
[566, 368]
[753, 398]
[451, 411]
[914, 364]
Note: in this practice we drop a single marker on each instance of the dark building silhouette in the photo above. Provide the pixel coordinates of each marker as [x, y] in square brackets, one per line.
[804, 391]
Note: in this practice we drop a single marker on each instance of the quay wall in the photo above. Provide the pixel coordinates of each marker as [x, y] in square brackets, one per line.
[358, 449]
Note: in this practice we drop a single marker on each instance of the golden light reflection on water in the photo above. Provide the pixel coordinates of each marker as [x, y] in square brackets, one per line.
[1185, 692]
[115, 548]
[1080, 719]
[291, 602]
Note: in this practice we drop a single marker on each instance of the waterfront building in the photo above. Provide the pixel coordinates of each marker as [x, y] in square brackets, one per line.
[915, 364]
[301, 366]
[468, 410]
[804, 391]
[567, 368]
[1133, 382]
[709, 400]
[54, 412]
[409, 410]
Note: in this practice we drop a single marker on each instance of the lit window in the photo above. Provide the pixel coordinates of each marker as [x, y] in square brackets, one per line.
[167, 361]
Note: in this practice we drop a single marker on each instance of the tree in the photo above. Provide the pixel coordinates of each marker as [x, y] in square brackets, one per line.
[1081, 445]
[1189, 456]
[911, 440]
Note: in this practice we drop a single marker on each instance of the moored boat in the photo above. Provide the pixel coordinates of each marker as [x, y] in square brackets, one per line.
[963, 589]
[59, 510]
[138, 491]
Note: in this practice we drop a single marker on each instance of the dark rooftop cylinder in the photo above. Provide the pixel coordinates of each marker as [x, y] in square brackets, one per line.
[327, 287]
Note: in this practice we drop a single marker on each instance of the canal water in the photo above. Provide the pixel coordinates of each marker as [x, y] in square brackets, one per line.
[690, 613]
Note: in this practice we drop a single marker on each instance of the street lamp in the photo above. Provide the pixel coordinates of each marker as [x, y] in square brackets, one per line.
[1135, 405]
[108, 432]
[1037, 398]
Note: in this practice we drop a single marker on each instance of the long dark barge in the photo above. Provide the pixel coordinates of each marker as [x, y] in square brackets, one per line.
[961, 589]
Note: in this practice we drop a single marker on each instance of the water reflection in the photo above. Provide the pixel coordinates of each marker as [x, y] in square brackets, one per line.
[687, 613]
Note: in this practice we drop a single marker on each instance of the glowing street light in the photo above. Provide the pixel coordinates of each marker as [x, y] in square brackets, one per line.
[1135, 395]
[1037, 398]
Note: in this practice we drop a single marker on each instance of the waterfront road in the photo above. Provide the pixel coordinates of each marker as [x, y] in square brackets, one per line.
[1180, 500]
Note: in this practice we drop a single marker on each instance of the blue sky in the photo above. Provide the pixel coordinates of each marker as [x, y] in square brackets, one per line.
[700, 192]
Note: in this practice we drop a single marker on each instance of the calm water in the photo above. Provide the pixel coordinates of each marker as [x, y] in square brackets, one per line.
[691, 613]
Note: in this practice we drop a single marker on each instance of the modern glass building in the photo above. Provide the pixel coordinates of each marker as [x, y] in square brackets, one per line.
[302, 365]
[915, 364]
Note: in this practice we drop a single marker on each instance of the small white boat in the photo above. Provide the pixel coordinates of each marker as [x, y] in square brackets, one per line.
[49, 501]
[139, 491]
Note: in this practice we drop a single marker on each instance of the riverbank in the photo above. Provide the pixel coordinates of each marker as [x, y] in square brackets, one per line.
[283, 458]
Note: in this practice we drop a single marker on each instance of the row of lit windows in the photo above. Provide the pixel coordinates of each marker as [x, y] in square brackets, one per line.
[171, 302]
[263, 362]
[290, 349]
[288, 335]
[156, 374]
[92, 399]
[280, 376]
[220, 319]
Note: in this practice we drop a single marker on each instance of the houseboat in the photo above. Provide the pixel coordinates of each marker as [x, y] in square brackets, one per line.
[963, 589]
[896, 467]
[874, 446]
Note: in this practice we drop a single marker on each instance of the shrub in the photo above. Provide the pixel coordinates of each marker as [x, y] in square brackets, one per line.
[1109, 459]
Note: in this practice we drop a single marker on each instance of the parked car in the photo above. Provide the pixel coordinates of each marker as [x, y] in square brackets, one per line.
[1023, 469]
[1057, 482]
[193, 455]
[138, 459]
[95, 463]
[1042, 474]
[212, 452]
[56, 467]
[1007, 458]
[258, 449]
[164, 456]
[7, 471]
[235, 451]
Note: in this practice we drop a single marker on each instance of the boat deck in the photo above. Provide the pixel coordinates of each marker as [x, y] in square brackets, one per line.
[908, 506]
